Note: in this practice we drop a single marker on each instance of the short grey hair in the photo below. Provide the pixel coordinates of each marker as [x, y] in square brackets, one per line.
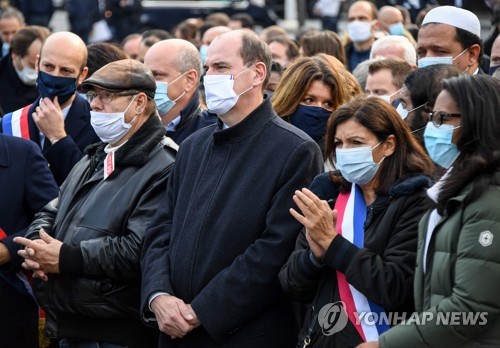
[189, 59]
[410, 54]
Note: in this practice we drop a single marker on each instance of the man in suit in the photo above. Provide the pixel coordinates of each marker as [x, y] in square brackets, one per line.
[59, 121]
[26, 185]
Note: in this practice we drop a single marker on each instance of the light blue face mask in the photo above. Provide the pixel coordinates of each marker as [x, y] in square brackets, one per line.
[439, 145]
[396, 29]
[356, 164]
[163, 102]
[427, 61]
[203, 53]
[5, 49]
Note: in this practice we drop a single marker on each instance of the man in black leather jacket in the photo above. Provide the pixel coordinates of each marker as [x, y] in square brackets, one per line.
[85, 246]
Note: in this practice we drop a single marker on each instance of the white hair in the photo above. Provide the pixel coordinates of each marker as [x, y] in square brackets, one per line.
[410, 54]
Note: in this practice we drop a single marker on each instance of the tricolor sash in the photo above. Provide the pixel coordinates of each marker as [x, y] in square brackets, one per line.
[16, 123]
[351, 216]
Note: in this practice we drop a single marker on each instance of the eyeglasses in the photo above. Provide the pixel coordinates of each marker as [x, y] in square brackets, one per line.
[106, 96]
[438, 117]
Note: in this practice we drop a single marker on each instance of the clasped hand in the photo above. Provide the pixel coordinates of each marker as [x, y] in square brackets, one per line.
[40, 255]
[174, 317]
[318, 219]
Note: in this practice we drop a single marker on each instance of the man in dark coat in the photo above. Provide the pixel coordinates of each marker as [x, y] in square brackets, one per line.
[26, 185]
[59, 121]
[215, 247]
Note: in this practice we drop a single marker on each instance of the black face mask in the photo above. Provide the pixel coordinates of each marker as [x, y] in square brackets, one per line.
[49, 86]
[311, 119]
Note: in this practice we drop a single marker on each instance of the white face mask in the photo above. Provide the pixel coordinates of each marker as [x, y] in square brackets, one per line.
[427, 61]
[220, 94]
[359, 31]
[27, 75]
[403, 112]
[111, 127]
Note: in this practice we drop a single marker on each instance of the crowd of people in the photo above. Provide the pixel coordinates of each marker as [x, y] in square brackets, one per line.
[215, 186]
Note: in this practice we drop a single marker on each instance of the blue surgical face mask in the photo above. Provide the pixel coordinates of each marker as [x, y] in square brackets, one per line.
[163, 102]
[356, 164]
[311, 119]
[396, 29]
[203, 53]
[439, 145]
[492, 69]
[5, 49]
[49, 86]
[427, 61]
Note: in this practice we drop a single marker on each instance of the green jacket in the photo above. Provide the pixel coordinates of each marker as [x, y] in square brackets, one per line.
[462, 276]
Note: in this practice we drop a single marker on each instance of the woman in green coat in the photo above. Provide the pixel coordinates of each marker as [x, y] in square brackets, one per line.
[457, 284]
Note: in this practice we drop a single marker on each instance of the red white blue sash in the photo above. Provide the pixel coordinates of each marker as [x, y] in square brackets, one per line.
[16, 123]
[351, 216]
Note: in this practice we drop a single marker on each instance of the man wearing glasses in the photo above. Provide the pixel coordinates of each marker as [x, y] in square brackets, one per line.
[84, 247]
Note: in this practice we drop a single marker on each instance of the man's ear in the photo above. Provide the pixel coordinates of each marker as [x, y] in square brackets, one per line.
[142, 100]
[82, 75]
[473, 51]
[192, 80]
[260, 73]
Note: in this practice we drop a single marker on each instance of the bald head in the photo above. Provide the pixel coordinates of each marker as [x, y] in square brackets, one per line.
[362, 11]
[390, 15]
[495, 53]
[212, 33]
[67, 46]
[178, 53]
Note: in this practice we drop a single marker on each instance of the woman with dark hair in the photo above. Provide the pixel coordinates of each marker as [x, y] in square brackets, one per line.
[362, 253]
[310, 90]
[419, 92]
[458, 258]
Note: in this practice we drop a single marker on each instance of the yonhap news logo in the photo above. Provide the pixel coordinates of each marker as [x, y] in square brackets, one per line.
[332, 318]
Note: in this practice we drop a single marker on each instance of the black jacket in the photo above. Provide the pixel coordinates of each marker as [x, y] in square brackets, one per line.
[102, 223]
[193, 117]
[383, 270]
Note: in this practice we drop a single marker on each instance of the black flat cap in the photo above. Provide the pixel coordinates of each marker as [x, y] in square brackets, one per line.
[122, 75]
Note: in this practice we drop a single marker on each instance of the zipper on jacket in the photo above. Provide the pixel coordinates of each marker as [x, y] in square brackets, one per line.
[310, 329]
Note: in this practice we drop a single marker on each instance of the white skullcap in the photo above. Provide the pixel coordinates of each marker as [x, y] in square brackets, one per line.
[456, 17]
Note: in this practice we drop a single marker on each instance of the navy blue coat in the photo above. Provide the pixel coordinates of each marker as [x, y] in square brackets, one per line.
[26, 185]
[193, 117]
[224, 231]
[65, 153]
